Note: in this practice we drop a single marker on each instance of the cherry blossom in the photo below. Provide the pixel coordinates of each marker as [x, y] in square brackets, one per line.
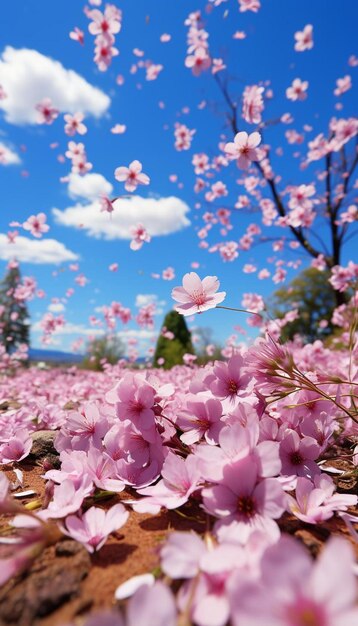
[107, 23]
[253, 104]
[244, 149]
[36, 224]
[74, 124]
[197, 295]
[93, 528]
[304, 39]
[77, 35]
[47, 112]
[140, 236]
[132, 176]
[249, 5]
[298, 90]
[302, 591]
[343, 85]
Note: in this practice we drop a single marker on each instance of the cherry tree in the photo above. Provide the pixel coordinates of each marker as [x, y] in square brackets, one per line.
[317, 216]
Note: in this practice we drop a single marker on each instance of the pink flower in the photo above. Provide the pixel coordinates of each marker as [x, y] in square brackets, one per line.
[253, 104]
[17, 447]
[298, 90]
[18, 552]
[107, 23]
[344, 131]
[183, 137]
[342, 277]
[153, 71]
[104, 52]
[316, 501]
[85, 428]
[77, 35]
[181, 553]
[47, 112]
[243, 149]
[249, 5]
[168, 273]
[134, 399]
[68, 498]
[300, 197]
[152, 605]
[93, 528]
[74, 124]
[36, 224]
[132, 176]
[231, 379]
[298, 455]
[304, 39]
[199, 61]
[197, 295]
[200, 418]
[106, 205]
[296, 591]
[180, 478]
[140, 236]
[245, 499]
[343, 85]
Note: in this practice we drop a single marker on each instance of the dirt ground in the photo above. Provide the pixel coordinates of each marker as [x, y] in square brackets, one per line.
[65, 582]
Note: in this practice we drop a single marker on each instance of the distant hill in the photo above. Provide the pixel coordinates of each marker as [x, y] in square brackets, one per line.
[54, 356]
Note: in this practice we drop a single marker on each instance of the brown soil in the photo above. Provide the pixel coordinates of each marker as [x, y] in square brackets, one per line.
[65, 582]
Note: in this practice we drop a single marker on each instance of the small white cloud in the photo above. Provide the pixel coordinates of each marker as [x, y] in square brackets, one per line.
[141, 334]
[89, 186]
[27, 77]
[8, 156]
[41, 251]
[160, 216]
[143, 299]
[70, 329]
[56, 307]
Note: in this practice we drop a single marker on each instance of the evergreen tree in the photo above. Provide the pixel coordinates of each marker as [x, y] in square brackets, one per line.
[14, 316]
[173, 350]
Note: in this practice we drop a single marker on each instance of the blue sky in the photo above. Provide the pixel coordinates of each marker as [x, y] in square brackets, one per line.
[267, 54]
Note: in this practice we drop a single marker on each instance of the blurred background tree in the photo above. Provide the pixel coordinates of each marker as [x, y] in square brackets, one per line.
[101, 350]
[14, 316]
[171, 348]
[205, 346]
[310, 293]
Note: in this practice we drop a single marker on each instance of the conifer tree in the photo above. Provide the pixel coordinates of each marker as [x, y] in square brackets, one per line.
[14, 316]
[173, 350]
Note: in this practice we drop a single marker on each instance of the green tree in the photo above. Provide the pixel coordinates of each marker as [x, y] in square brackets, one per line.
[107, 349]
[173, 350]
[14, 316]
[310, 293]
[204, 337]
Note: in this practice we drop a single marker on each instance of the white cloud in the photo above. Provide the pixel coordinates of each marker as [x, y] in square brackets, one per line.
[56, 307]
[40, 251]
[70, 329]
[28, 77]
[7, 155]
[143, 299]
[161, 216]
[89, 186]
[140, 334]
